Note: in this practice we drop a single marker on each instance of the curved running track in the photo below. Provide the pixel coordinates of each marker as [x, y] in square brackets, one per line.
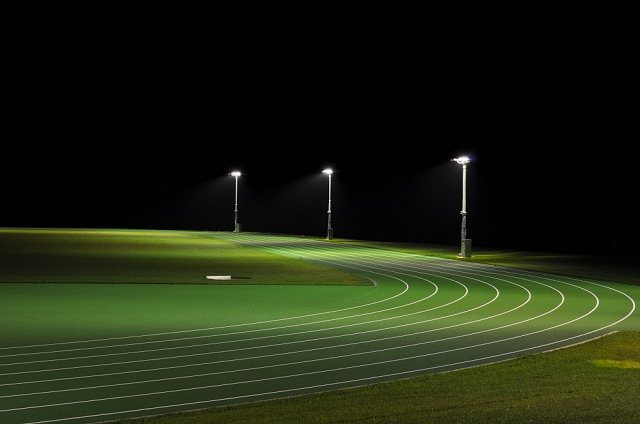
[421, 315]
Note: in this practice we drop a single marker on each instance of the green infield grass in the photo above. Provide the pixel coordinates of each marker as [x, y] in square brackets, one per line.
[168, 257]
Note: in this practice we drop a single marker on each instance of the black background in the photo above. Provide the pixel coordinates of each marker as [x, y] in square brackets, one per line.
[144, 138]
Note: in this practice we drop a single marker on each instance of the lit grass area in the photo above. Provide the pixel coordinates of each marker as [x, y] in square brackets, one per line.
[623, 270]
[160, 257]
[577, 384]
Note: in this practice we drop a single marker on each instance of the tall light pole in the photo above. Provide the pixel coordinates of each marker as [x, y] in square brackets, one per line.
[465, 243]
[236, 228]
[329, 172]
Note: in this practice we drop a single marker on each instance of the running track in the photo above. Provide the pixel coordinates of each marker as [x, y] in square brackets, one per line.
[421, 315]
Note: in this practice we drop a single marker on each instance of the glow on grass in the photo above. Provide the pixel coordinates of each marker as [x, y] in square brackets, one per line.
[610, 363]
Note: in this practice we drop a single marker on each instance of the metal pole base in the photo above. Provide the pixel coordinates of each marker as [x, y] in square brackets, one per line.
[465, 248]
[238, 228]
[330, 234]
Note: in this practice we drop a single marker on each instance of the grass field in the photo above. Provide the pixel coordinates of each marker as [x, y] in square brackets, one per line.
[89, 352]
[158, 257]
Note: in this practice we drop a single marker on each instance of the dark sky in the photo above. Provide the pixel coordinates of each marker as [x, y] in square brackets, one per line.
[142, 143]
[525, 195]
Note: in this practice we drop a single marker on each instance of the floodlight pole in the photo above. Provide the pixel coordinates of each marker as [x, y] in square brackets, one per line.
[329, 172]
[465, 243]
[463, 212]
[236, 228]
[236, 225]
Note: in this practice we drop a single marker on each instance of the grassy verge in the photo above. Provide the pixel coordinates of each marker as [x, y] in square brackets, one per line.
[159, 257]
[593, 382]
[623, 270]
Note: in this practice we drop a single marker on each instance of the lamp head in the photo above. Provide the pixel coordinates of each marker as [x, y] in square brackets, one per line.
[235, 174]
[327, 171]
[462, 160]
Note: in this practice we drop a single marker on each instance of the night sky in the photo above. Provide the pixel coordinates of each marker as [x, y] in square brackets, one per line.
[140, 146]
[552, 199]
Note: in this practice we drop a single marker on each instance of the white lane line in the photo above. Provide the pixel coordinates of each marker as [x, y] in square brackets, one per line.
[314, 349]
[348, 334]
[206, 336]
[193, 345]
[278, 344]
[226, 351]
[633, 303]
[342, 345]
[207, 328]
[318, 386]
[296, 389]
[242, 332]
[234, 383]
[215, 352]
[249, 348]
[339, 356]
[215, 335]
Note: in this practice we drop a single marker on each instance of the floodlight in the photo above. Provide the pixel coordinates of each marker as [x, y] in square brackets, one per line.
[236, 225]
[328, 172]
[465, 243]
[462, 160]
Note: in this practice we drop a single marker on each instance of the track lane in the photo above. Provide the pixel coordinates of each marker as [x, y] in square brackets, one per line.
[388, 346]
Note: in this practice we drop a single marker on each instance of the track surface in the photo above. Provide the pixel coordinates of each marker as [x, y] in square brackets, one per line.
[421, 315]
